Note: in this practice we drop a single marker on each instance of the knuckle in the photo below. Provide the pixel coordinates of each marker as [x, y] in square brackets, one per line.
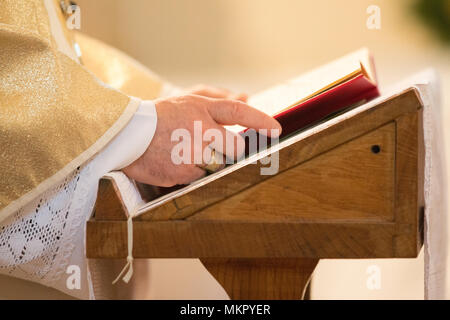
[188, 98]
[235, 109]
[168, 184]
[179, 175]
[170, 180]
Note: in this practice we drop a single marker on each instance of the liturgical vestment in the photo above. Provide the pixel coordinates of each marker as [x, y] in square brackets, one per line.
[66, 120]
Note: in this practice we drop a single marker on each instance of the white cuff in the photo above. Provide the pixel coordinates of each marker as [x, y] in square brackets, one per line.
[133, 140]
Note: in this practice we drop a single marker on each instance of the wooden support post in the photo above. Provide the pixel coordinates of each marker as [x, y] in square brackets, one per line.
[262, 279]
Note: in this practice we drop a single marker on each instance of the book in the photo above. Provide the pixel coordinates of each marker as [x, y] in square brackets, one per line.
[319, 93]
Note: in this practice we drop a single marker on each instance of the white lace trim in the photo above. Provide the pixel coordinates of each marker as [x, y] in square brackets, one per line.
[33, 239]
[80, 208]
[37, 243]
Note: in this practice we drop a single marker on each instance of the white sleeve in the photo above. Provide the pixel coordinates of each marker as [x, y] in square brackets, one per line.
[133, 140]
[44, 241]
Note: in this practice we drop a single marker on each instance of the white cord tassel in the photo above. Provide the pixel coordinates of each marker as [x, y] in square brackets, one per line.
[129, 266]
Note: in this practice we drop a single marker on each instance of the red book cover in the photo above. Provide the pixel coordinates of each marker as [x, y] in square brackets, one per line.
[356, 90]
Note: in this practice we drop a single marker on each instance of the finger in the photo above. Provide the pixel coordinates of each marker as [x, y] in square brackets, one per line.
[211, 92]
[240, 96]
[217, 93]
[185, 174]
[230, 112]
[224, 142]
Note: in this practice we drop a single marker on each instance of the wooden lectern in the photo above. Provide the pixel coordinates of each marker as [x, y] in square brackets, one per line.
[351, 190]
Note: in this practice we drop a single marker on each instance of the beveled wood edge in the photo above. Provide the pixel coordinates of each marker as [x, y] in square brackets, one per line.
[109, 204]
[409, 175]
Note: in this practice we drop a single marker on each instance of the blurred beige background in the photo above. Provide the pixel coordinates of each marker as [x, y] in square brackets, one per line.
[249, 45]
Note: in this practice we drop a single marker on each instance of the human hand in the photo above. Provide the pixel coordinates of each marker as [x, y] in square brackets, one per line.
[156, 165]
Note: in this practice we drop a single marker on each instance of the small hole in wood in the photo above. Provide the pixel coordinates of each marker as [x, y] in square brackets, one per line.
[375, 149]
